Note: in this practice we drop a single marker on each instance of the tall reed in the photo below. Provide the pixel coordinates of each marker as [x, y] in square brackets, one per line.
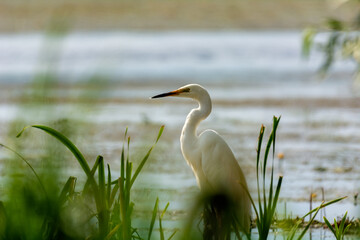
[267, 201]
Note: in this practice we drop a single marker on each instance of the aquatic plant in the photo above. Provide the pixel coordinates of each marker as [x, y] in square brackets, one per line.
[266, 201]
[103, 201]
[300, 221]
[339, 229]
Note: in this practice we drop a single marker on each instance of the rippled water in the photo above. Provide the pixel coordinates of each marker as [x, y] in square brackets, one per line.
[251, 76]
[246, 56]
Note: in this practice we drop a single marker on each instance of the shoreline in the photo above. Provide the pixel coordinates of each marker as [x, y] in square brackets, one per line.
[90, 15]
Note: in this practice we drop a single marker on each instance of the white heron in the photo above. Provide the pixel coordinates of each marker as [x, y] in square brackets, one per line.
[211, 159]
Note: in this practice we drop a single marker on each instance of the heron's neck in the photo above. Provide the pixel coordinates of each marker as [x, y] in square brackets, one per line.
[196, 116]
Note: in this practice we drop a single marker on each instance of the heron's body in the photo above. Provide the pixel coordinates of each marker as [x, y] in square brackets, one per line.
[211, 159]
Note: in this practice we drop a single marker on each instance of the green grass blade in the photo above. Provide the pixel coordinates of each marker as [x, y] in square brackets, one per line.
[101, 176]
[92, 172]
[275, 125]
[96, 165]
[172, 235]
[258, 150]
[68, 189]
[336, 226]
[291, 235]
[77, 154]
[27, 163]
[123, 209]
[342, 223]
[266, 154]
[347, 228]
[307, 41]
[122, 199]
[277, 193]
[163, 212]
[329, 226]
[142, 163]
[309, 223]
[267, 150]
[122, 162]
[103, 215]
[108, 190]
[128, 150]
[113, 194]
[260, 138]
[65, 141]
[324, 205]
[113, 231]
[162, 235]
[160, 133]
[127, 181]
[153, 218]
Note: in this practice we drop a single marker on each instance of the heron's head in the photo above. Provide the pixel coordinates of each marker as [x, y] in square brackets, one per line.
[193, 91]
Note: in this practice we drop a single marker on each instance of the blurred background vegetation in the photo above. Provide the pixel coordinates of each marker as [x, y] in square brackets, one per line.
[158, 14]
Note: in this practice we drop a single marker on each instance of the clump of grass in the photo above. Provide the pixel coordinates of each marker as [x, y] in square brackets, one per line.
[103, 208]
[265, 211]
[339, 229]
[300, 222]
[267, 201]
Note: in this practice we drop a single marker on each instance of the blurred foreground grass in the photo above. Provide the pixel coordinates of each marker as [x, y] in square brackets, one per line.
[34, 207]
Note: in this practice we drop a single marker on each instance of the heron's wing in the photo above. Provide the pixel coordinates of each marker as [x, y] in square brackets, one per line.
[218, 162]
[223, 172]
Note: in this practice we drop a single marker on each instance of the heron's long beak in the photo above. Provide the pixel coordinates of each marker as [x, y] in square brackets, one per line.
[172, 93]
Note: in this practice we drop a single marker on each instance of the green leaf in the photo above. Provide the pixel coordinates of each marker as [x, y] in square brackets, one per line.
[324, 205]
[68, 189]
[108, 191]
[92, 172]
[309, 223]
[154, 213]
[163, 212]
[342, 223]
[347, 228]
[277, 193]
[142, 163]
[160, 133]
[27, 163]
[172, 235]
[77, 154]
[101, 176]
[291, 235]
[113, 194]
[329, 226]
[113, 231]
[336, 227]
[162, 236]
[64, 140]
[308, 41]
[260, 138]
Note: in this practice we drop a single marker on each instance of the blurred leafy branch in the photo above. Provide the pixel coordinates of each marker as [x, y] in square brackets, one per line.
[342, 42]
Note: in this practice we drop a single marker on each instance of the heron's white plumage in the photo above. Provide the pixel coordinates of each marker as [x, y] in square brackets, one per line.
[211, 159]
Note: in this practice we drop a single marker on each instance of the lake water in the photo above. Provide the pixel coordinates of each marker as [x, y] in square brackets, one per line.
[250, 76]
